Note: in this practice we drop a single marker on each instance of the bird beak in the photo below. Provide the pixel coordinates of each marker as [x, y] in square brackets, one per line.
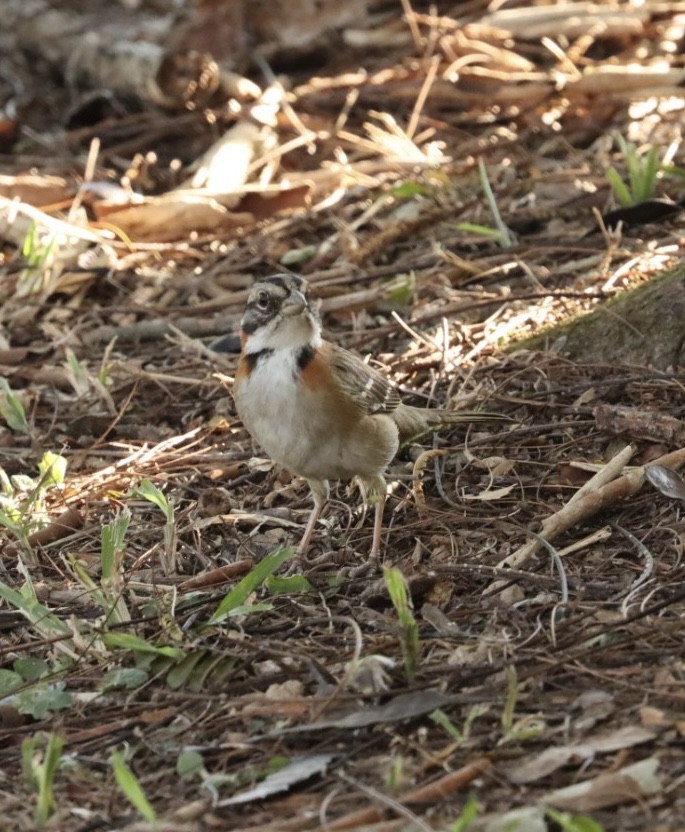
[295, 304]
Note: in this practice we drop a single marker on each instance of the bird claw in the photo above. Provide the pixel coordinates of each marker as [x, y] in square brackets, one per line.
[370, 567]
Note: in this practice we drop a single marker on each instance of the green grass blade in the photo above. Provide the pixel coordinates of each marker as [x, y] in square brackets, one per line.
[250, 583]
[409, 631]
[129, 785]
[619, 188]
[505, 239]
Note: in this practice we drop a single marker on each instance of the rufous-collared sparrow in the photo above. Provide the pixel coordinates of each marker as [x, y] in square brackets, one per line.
[316, 408]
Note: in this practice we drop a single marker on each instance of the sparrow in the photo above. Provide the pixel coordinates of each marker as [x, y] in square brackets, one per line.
[316, 408]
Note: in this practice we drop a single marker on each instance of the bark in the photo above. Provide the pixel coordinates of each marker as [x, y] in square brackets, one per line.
[644, 326]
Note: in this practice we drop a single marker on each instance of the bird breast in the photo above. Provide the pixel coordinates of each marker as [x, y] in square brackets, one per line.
[306, 427]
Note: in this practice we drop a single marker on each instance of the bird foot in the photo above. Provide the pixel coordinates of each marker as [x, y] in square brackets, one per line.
[370, 567]
[333, 559]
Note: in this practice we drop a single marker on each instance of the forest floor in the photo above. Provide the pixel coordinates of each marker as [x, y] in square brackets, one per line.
[159, 670]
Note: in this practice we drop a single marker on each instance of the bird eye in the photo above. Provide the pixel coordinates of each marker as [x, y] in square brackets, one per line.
[263, 300]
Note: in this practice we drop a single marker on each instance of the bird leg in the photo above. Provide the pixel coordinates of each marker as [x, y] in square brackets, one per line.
[320, 493]
[375, 492]
[374, 554]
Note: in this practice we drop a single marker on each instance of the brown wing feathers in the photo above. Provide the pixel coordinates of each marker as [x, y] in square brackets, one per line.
[371, 391]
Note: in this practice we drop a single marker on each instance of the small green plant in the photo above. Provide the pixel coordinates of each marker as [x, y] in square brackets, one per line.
[108, 595]
[510, 701]
[500, 233]
[37, 251]
[409, 630]
[523, 729]
[31, 691]
[148, 491]
[44, 622]
[395, 775]
[440, 718]
[131, 788]
[574, 823]
[22, 498]
[40, 760]
[78, 375]
[469, 813]
[235, 603]
[189, 763]
[11, 409]
[84, 382]
[643, 171]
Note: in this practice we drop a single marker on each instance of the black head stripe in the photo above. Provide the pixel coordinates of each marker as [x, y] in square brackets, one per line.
[280, 280]
[287, 282]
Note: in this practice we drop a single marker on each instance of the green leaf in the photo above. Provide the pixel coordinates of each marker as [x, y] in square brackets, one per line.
[574, 823]
[149, 491]
[290, 585]
[468, 814]
[249, 609]
[79, 376]
[128, 641]
[31, 669]
[510, 700]
[633, 163]
[180, 673]
[440, 718]
[505, 239]
[22, 482]
[482, 230]
[45, 776]
[619, 187]
[123, 678]
[129, 785]
[9, 682]
[405, 190]
[403, 290]
[251, 582]
[41, 617]
[296, 256]
[189, 763]
[53, 469]
[11, 409]
[112, 537]
[409, 632]
[39, 701]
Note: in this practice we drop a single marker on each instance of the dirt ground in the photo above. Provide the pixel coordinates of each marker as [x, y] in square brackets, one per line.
[159, 670]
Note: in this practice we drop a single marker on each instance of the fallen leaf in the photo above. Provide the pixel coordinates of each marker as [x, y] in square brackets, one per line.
[630, 783]
[536, 766]
[297, 771]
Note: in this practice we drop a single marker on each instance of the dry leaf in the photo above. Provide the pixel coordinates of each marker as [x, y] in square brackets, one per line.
[297, 771]
[536, 766]
[630, 783]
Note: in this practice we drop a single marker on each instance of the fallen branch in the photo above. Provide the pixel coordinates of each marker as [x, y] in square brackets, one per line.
[600, 492]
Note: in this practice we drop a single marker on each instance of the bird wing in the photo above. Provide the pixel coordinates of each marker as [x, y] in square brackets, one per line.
[369, 390]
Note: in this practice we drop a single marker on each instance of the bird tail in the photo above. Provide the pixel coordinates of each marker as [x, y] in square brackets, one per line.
[414, 421]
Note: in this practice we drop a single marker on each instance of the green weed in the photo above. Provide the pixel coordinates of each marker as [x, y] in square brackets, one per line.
[130, 787]
[40, 760]
[642, 169]
[500, 233]
[409, 630]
